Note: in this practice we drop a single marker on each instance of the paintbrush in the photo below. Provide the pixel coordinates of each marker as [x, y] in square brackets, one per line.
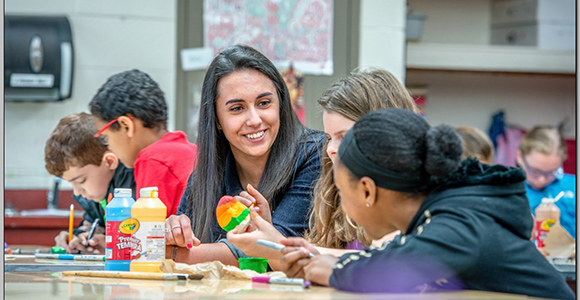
[134, 275]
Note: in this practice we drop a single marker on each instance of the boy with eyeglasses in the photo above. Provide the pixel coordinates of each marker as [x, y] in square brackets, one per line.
[72, 153]
[540, 154]
[131, 114]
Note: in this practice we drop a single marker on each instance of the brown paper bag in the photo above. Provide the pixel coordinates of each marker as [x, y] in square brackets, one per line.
[214, 270]
[559, 243]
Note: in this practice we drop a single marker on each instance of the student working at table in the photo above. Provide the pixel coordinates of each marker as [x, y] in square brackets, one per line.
[476, 144]
[465, 225]
[540, 154]
[249, 140]
[343, 103]
[71, 152]
[131, 114]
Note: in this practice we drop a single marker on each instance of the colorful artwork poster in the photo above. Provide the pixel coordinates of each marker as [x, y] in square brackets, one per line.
[288, 32]
[295, 83]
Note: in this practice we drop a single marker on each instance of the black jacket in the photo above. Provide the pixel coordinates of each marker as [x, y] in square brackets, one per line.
[471, 232]
[123, 178]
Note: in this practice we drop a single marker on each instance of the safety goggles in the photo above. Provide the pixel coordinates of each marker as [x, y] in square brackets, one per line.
[535, 173]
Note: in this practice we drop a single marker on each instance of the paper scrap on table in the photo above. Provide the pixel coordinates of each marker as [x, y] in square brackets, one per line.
[559, 243]
[214, 270]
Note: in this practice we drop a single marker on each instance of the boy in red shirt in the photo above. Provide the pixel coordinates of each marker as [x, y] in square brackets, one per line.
[131, 114]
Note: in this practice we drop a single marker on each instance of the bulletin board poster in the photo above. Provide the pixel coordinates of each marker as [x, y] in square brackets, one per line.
[288, 32]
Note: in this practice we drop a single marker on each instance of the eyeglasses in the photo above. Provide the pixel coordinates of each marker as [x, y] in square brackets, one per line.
[533, 172]
[107, 127]
[103, 140]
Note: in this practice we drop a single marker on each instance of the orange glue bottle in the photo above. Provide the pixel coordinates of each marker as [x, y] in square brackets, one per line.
[547, 214]
[149, 233]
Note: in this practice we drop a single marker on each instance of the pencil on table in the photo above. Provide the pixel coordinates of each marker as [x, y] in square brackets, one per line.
[70, 222]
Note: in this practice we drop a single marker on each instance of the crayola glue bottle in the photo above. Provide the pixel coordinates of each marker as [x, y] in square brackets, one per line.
[119, 242]
[149, 233]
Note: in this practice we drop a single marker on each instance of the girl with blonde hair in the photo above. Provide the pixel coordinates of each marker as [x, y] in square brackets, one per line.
[343, 104]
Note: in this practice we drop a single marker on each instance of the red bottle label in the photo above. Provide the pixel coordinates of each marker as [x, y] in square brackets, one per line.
[120, 244]
[542, 228]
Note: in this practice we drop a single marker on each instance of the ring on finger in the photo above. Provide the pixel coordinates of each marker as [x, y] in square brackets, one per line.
[175, 226]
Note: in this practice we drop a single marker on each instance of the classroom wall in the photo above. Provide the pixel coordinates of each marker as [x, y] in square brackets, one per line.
[345, 49]
[472, 99]
[367, 34]
[454, 21]
[145, 37]
[109, 37]
[382, 36]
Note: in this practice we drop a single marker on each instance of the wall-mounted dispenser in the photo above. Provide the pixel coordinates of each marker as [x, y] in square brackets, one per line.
[38, 58]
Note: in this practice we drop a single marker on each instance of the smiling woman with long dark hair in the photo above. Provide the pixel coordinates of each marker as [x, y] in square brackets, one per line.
[250, 143]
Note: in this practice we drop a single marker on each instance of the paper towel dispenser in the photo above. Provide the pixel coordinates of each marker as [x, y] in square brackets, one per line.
[38, 58]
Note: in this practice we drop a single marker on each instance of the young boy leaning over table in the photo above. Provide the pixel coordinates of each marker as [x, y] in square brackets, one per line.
[130, 112]
[72, 153]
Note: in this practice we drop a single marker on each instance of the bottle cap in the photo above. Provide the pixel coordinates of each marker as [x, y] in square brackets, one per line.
[149, 192]
[257, 264]
[57, 250]
[546, 200]
[122, 193]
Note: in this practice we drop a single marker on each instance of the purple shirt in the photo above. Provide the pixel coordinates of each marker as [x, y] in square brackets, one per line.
[355, 245]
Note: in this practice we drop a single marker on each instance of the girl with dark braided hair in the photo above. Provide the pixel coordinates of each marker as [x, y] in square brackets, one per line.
[464, 225]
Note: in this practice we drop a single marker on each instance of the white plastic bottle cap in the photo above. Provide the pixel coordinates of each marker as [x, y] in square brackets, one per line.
[122, 193]
[149, 192]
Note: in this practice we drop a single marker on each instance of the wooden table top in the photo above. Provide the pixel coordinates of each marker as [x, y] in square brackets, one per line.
[29, 263]
[46, 285]
[51, 284]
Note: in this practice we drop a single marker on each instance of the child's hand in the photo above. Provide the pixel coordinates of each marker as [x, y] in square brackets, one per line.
[261, 205]
[97, 244]
[258, 229]
[320, 268]
[294, 257]
[75, 245]
[61, 240]
[178, 232]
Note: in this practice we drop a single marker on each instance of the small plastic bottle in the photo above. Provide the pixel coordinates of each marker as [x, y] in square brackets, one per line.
[149, 232]
[547, 214]
[119, 226]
